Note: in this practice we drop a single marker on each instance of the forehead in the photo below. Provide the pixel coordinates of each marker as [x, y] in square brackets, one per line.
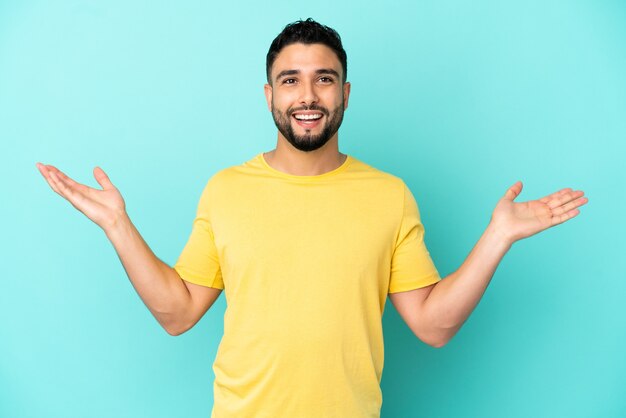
[305, 57]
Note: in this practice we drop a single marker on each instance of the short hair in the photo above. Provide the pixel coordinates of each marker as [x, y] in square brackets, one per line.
[307, 32]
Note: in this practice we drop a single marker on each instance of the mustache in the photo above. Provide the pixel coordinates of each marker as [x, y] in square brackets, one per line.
[312, 107]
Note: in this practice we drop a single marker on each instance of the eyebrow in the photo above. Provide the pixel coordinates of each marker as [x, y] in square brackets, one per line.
[285, 73]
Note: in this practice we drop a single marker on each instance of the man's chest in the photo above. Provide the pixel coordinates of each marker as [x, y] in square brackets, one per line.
[307, 229]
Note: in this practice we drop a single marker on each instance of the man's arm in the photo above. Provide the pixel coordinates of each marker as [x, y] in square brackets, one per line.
[176, 304]
[436, 313]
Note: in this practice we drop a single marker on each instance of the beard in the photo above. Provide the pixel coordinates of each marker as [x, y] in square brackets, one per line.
[308, 141]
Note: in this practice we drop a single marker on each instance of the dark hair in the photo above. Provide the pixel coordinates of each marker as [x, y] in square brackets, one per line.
[306, 32]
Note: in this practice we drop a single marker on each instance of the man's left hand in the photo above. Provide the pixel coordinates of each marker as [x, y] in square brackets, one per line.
[518, 220]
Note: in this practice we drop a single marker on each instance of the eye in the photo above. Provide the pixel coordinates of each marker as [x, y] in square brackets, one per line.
[326, 79]
[289, 81]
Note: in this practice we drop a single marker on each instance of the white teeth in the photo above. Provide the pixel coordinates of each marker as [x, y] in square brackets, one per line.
[308, 117]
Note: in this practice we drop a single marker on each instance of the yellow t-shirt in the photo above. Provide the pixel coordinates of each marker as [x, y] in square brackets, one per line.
[306, 263]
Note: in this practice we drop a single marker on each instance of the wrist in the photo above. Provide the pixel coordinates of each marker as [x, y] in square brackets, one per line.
[499, 236]
[117, 225]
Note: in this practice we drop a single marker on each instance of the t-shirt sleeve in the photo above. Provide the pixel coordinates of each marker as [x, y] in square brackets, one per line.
[199, 262]
[411, 264]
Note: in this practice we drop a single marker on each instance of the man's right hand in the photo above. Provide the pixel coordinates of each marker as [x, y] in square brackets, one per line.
[104, 207]
[176, 304]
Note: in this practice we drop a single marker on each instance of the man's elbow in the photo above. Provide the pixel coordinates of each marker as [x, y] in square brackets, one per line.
[438, 344]
[435, 340]
[435, 343]
[175, 329]
[175, 332]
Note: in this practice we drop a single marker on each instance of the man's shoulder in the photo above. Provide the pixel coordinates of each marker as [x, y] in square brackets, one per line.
[230, 171]
[367, 171]
[229, 176]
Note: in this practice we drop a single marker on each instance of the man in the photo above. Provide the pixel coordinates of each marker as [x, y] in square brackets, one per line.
[308, 242]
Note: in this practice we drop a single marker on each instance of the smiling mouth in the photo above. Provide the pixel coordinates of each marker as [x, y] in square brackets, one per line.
[307, 120]
[307, 117]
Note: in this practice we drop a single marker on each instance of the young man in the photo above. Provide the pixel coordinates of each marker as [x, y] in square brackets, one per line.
[307, 243]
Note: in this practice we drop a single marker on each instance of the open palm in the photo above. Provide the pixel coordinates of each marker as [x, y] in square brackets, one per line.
[522, 219]
[101, 206]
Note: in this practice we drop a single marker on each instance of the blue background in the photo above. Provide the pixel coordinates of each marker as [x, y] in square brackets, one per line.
[460, 99]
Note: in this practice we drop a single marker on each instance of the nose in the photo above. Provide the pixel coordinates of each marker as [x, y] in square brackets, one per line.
[308, 95]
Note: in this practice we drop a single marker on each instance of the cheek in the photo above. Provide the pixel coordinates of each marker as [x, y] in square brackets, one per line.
[335, 98]
[281, 102]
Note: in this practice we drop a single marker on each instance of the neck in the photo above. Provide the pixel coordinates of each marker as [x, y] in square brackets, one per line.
[292, 161]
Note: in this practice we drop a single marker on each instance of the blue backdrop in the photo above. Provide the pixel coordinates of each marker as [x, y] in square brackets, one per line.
[460, 99]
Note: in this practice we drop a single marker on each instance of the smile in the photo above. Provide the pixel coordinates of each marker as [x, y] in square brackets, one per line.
[308, 120]
[302, 116]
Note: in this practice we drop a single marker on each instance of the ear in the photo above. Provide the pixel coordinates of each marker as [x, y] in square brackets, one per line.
[346, 94]
[268, 95]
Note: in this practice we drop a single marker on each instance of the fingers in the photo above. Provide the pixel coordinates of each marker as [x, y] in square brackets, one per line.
[62, 187]
[572, 204]
[66, 179]
[564, 198]
[61, 184]
[102, 178]
[514, 191]
[46, 175]
[554, 195]
[47, 169]
[559, 219]
[564, 205]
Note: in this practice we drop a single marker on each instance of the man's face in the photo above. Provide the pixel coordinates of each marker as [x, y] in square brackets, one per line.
[307, 96]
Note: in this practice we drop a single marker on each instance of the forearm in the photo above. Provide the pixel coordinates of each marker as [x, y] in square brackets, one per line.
[453, 299]
[159, 286]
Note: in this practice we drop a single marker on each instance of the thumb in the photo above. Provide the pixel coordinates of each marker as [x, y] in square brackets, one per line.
[102, 178]
[513, 191]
